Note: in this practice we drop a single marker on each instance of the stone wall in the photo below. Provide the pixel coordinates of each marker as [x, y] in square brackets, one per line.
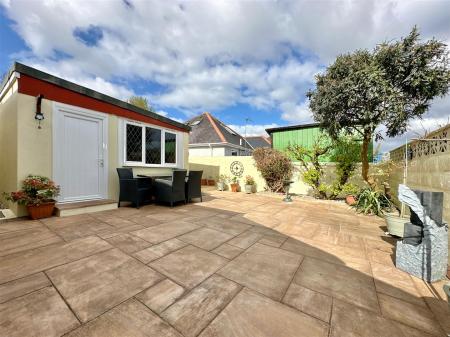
[428, 166]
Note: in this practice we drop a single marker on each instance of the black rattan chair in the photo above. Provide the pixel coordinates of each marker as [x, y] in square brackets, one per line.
[136, 190]
[171, 191]
[194, 185]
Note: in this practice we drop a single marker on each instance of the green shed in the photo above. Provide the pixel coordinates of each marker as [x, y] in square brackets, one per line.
[303, 134]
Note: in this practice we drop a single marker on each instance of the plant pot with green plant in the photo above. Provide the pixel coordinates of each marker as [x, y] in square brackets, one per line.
[372, 202]
[222, 182]
[38, 194]
[249, 184]
[234, 184]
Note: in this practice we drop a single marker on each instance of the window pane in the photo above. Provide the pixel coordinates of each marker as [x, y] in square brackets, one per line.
[171, 148]
[134, 143]
[152, 146]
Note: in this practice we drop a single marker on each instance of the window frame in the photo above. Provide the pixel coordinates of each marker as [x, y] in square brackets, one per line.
[142, 163]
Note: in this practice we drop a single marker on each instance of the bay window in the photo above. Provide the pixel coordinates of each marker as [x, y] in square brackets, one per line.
[149, 146]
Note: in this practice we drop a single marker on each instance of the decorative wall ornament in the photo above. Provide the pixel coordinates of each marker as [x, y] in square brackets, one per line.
[237, 168]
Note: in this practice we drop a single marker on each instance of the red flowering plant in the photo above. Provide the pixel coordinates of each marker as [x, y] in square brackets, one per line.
[36, 190]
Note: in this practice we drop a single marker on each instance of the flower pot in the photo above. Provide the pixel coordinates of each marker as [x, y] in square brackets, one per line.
[204, 182]
[395, 224]
[220, 186]
[234, 187]
[41, 211]
[211, 182]
[248, 189]
[350, 200]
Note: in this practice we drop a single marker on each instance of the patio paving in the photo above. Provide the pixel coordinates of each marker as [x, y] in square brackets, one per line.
[234, 265]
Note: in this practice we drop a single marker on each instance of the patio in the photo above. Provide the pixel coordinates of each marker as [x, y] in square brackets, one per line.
[234, 265]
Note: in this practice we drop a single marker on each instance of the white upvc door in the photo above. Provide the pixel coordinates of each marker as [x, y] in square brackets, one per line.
[80, 153]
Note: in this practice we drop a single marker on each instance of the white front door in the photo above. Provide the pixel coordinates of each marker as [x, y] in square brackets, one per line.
[80, 153]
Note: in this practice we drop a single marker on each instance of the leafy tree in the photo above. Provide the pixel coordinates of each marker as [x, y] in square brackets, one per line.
[274, 166]
[389, 86]
[140, 102]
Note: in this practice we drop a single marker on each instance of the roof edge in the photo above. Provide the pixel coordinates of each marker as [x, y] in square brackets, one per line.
[41, 75]
[292, 127]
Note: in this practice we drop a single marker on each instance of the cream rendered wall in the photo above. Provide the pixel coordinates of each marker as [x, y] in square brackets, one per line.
[8, 146]
[207, 151]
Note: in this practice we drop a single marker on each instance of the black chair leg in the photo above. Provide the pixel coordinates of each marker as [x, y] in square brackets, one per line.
[118, 204]
[171, 204]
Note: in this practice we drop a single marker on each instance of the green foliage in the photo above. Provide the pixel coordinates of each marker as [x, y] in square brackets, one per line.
[35, 191]
[274, 166]
[344, 152]
[235, 180]
[371, 201]
[140, 102]
[389, 86]
[350, 189]
[223, 178]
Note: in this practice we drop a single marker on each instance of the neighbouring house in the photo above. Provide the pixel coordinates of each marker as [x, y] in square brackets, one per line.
[303, 134]
[259, 141]
[209, 137]
[84, 136]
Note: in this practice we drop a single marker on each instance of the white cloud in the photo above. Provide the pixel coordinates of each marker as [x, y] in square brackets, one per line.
[253, 129]
[211, 55]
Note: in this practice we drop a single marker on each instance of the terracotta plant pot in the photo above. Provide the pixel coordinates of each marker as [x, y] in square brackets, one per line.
[41, 211]
[350, 200]
[234, 187]
[211, 182]
[204, 182]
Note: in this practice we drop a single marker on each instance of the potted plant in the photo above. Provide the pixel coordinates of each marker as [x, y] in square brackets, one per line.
[222, 182]
[249, 183]
[38, 195]
[350, 191]
[211, 181]
[235, 184]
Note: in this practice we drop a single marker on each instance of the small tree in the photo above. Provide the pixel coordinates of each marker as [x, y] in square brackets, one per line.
[389, 86]
[274, 166]
[140, 102]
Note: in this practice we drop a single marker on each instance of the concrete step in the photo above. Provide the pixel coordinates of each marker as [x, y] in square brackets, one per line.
[82, 207]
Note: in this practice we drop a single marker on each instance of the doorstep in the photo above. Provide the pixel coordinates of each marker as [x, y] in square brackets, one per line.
[82, 207]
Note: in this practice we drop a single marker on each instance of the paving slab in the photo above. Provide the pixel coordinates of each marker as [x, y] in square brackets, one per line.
[99, 282]
[189, 266]
[21, 240]
[309, 301]
[80, 229]
[23, 286]
[251, 314]
[128, 243]
[410, 314]
[21, 264]
[265, 269]
[350, 320]
[41, 313]
[130, 319]
[155, 252]
[228, 251]
[161, 295]
[196, 310]
[227, 226]
[246, 239]
[205, 238]
[165, 231]
[339, 282]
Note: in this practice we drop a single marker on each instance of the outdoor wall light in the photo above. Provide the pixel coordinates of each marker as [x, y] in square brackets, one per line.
[39, 116]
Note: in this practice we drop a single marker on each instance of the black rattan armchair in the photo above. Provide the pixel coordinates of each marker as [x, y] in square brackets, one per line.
[135, 190]
[171, 190]
[194, 185]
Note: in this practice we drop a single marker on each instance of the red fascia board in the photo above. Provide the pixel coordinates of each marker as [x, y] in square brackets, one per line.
[32, 86]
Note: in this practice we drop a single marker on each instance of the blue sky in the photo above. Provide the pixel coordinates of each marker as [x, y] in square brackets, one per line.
[238, 60]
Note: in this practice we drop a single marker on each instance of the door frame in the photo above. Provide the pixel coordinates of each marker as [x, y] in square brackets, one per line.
[57, 165]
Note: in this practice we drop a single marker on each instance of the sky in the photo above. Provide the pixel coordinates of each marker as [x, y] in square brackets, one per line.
[249, 63]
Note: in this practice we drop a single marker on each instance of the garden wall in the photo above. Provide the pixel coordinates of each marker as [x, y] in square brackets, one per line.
[214, 166]
[428, 166]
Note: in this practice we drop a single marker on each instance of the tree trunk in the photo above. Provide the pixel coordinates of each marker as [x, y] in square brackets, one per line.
[364, 157]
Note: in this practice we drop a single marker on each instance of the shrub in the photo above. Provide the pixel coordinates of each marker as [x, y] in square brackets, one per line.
[35, 190]
[275, 167]
[371, 201]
